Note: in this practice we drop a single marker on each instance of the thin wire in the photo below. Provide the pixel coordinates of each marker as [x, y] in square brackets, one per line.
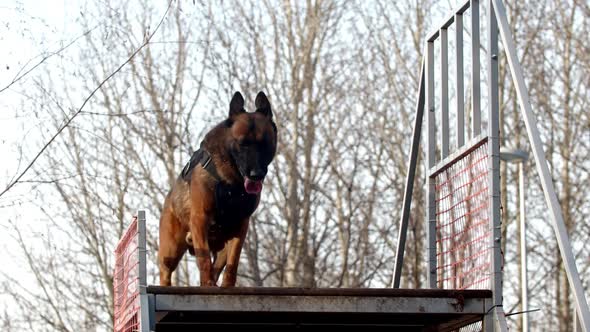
[146, 42]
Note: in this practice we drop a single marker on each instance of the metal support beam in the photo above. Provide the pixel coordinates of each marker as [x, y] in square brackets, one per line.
[147, 305]
[459, 92]
[320, 304]
[523, 250]
[409, 189]
[542, 168]
[444, 93]
[475, 74]
[141, 250]
[402, 309]
[147, 308]
[494, 171]
[431, 160]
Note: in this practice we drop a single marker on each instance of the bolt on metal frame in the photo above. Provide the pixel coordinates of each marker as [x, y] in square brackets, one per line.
[497, 23]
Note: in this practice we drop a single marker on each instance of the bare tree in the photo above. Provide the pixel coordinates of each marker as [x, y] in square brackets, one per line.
[122, 153]
[342, 77]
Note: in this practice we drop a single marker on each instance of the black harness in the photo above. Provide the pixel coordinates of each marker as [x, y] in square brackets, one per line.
[202, 157]
[232, 202]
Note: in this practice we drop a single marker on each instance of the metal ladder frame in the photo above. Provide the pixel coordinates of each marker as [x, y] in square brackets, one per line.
[497, 23]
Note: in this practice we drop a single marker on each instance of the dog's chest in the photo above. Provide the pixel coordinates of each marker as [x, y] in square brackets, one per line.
[232, 204]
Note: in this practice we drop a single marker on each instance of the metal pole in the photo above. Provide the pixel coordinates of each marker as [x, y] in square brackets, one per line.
[409, 189]
[523, 250]
[431, 161]
[141, 250]
[444, 93]
[459, 81]
[494, 173]
[542, 168]
[475, 80]
[146, 305]
[520, 157]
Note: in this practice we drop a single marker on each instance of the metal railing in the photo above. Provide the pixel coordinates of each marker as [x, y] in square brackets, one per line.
[130, 278]
[444, 262]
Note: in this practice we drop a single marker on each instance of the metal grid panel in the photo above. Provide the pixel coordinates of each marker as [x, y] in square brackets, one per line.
[475, 327]
[462, 223]
[126, 281]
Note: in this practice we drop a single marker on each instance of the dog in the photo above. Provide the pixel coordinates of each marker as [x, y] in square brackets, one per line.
[207, 211]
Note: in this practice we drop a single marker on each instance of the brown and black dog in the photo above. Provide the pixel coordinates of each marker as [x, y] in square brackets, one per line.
[208, 209]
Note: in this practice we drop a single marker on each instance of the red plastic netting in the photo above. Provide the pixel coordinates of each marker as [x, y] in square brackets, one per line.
[126, 281]
[462, 223]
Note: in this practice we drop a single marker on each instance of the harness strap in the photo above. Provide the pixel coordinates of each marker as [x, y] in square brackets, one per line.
[202, 157]
[232, 203]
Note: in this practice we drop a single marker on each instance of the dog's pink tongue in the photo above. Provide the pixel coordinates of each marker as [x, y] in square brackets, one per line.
[252, 187]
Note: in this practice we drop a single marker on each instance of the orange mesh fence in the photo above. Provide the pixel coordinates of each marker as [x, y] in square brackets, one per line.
[462, 223]
[126, 281]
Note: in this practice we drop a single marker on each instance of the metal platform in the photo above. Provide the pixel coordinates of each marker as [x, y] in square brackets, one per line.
[188, 308]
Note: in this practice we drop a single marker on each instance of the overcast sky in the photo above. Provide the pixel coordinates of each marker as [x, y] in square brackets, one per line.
[29, 31]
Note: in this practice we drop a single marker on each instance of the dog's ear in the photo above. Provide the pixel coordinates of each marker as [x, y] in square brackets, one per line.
[236, 105]
[263, 105]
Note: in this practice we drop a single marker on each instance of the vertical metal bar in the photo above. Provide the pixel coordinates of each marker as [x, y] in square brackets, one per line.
[431, 155]
[144, 312]
[523, 252]
[459, 81]
[494, 170]
[542, 168]
[147, 304]
[488, 321]
[494, 156]
[475, 68]
[141, 250]
[407, 202]
[444, 93]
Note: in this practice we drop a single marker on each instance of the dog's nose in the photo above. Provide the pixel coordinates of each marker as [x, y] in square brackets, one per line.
[257, 174]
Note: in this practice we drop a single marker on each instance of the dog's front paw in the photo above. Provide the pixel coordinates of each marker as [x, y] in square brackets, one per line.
[228, 283]
[208, 283]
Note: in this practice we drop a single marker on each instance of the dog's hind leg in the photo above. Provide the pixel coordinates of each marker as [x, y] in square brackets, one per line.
[172, 246]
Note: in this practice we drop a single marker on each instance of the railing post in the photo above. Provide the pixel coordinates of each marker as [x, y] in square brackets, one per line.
[146, 303]
[141, 250]
[494, 171]
[475, 68]
[431, 160]
[459, 93]
[444, 93]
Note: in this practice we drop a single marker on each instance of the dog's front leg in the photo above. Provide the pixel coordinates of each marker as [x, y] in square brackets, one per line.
[199, 227]
[234, 249]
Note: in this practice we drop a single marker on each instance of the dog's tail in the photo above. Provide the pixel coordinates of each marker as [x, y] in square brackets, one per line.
[189, 242]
